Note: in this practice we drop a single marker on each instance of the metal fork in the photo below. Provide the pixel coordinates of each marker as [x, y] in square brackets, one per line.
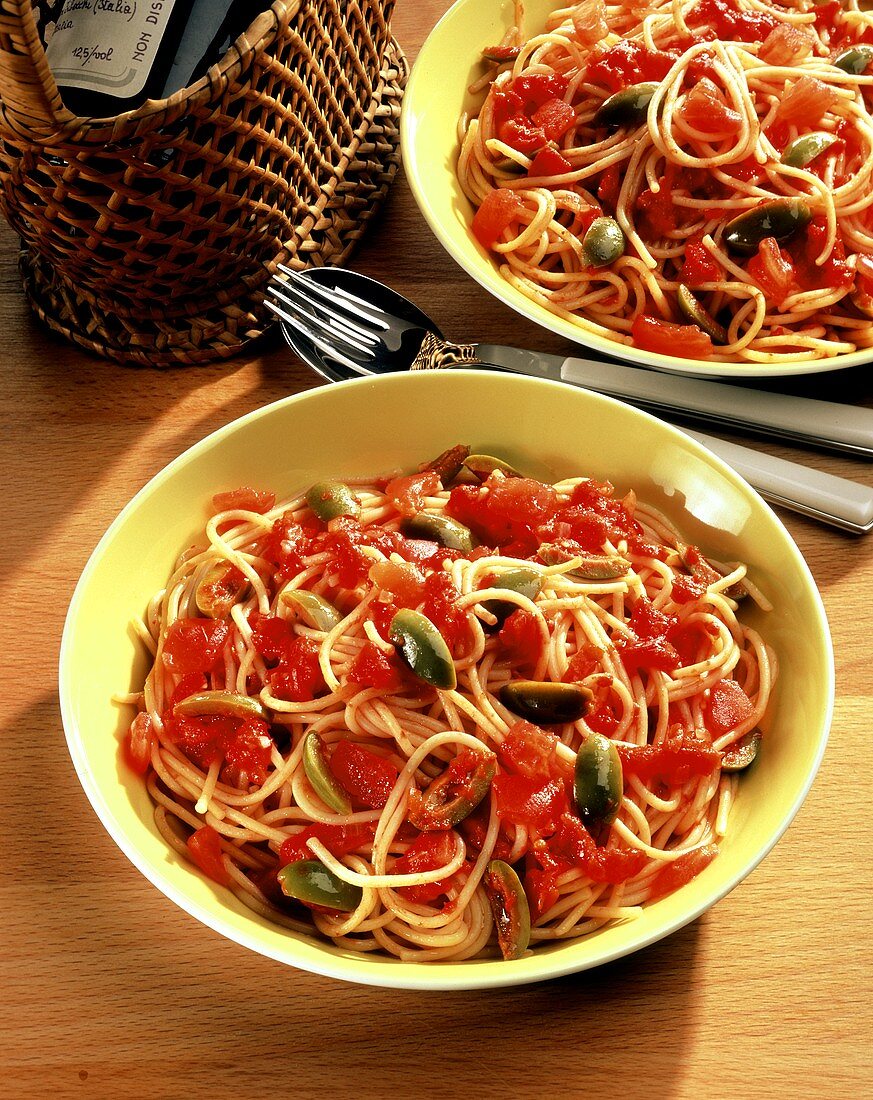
[359, 334]
[332, 328]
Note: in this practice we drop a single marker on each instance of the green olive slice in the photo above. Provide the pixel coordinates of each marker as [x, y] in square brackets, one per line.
[509, 908]
[855, 60]
[323, 781]
[628, 105]
[598, 783]
[741, 753]
[220, 587]
[482, 466]
[545, 703]
[423, 648]
[310, 608]
[442, 529]
[311, 882]
[603, 243]
[230, 704]
[695, 312]
[329, 499]
[591, 567]
[527, 582]
[779, 218]
[455, 793]
[803, 150]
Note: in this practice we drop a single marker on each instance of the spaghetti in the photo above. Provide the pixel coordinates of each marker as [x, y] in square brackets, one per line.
[689, 177]
[356, 716]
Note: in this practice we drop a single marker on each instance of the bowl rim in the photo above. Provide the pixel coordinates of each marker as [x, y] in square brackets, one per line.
[419, 169]
[310, 954]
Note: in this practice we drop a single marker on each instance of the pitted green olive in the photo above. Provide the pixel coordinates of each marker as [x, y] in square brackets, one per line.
[442, 529]
[310, 608]
[509, 908]
[221, 586]
[454, 794]
[527, 582]
[329, 499]
[855, 60]
[805, 149]
[590, 567]
[423, 648]
[598, 783]
[695, 312]
[741, 754]
[604, 242]
[311, 882]
[628, 105]
[482, 466]
[230, 704]
[779, 218]
[324, 782]
[545, 703]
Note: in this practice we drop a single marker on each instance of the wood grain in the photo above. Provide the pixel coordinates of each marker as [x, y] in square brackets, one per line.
[111, 991]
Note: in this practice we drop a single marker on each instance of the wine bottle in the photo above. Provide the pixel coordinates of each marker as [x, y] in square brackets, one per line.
[109, 56]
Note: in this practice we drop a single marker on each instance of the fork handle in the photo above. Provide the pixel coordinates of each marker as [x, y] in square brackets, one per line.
[437, 354]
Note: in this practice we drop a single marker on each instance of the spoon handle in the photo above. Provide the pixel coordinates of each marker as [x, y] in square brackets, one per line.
[823, 423]
[814, 493]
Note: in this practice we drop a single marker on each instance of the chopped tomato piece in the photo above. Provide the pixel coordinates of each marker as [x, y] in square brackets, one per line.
[286, 547]
[338, 839]
[535, 801]
[441, 607]
[554, 117]
[408, 493]
[699, 265]
[549, 162]
[504, 511]
[609, 187]
[188, 685]
[426, 853]
[729, 706]
[298, 677]
[541, 890]
[499, 209]
[573, 846]
[138, 743]
[674, 761]
[681, 871]
[250, 500]
[630, 62]
[806, 101]
[403, 581]
[521, 134]
[649, 644]
[366, 776]
[519, 639]
[535, 89]
[589, 22]
[833, 273]
[529, 750]
[658, 209]
[772, 270]
[244, 745]
[194, 645]
[706, 109]
[372, 668]
[666, 338]
[786, 45]
[729, 23]
[204, 845]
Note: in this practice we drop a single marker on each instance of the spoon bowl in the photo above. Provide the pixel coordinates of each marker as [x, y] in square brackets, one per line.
[378, 294]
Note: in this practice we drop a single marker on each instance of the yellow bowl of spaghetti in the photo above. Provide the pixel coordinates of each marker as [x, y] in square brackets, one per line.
[693, 196]
[382, 428]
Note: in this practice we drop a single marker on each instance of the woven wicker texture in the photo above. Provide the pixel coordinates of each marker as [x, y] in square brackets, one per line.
[149, 237]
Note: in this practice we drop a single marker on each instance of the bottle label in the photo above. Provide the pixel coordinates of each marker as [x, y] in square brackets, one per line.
[107, 45]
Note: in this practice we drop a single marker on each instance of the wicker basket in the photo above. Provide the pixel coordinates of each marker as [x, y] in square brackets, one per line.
[149, 237]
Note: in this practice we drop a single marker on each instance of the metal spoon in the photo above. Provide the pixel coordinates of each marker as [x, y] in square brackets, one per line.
[833, 500]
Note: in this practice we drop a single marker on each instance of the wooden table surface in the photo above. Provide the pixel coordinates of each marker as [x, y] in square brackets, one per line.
[110, 990]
